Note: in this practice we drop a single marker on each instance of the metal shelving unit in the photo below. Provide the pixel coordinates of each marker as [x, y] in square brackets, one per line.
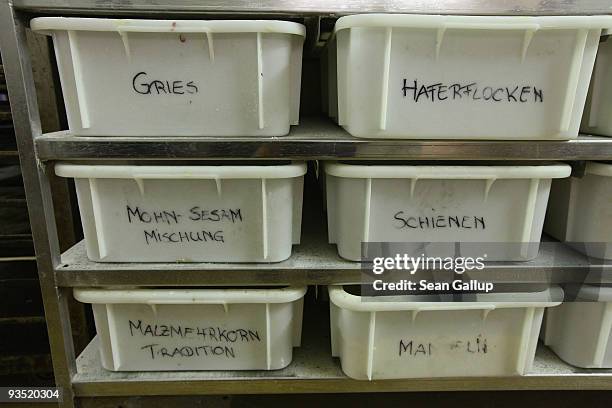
[314, 262]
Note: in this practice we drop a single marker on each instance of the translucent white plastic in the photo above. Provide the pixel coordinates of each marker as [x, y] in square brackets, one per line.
[580, 211]
[597, 118]
[249, 213]
[461, 77]
[439, 204]
[580, 331]
[417, 337]
[123, 77]
[196, 329]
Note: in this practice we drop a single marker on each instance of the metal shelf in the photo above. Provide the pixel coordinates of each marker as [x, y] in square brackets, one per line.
[309, 264]
[319, 7]
[315, 138]
[314, 262]
[314, 370]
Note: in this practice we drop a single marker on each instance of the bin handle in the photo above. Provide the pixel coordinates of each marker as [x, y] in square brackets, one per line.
[155, 303]
[456, 306]
[483, 308]
[492, 26]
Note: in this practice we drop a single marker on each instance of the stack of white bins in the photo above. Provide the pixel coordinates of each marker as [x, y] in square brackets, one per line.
[452, 77]
[389, 76]
[580, 213]
[184, 78]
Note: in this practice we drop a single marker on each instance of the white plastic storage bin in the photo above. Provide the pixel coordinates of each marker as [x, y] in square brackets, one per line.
[467, 77]
[249, 213]
[439, 204]
[580, 331]
[124, 77]
[196, 329]
[597, 118]
[580, 211]
[416, 337]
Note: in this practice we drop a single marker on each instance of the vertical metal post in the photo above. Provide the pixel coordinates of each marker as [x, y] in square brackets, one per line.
[26, 120]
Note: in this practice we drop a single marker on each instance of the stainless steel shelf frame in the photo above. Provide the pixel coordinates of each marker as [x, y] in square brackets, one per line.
[318, 371]
[315, 140]
[315, 262]
[322, 8]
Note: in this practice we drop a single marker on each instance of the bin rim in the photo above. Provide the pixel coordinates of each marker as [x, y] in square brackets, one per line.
[189, 296]
[552, 296]
[531, 23]
[447, 172]
[291, 170]
[47, 25]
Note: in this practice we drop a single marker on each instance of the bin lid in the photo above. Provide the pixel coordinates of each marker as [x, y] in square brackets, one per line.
[47, 24]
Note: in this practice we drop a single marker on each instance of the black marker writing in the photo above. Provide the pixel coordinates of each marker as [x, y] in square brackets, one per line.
[199, 214]
[210, 334]
[477, 345]
[440, 221]
[470, 91]
[414, 349]
[155, 351]
[163, 216]
[146, 86]
[175, 237]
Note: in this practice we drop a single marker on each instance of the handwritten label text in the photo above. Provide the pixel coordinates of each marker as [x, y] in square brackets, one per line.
[437, 92]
